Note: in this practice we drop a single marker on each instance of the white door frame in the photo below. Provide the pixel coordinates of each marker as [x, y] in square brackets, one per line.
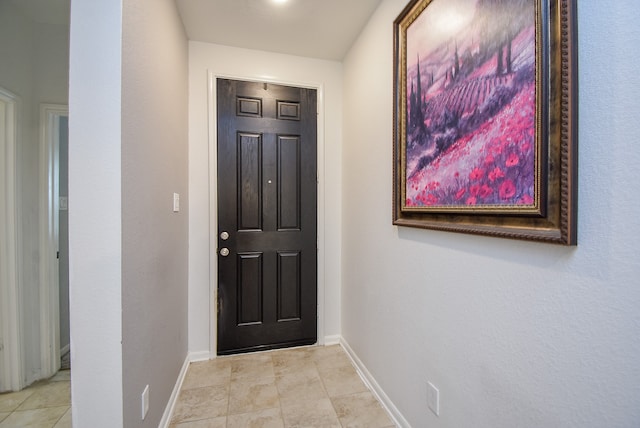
[50, 115]
[213, 201]
[10, 327]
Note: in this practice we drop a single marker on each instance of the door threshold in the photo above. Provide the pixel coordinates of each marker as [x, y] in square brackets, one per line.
[271, 347]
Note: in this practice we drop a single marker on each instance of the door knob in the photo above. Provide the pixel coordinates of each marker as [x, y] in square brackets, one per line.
[224, 252]
[224, 236]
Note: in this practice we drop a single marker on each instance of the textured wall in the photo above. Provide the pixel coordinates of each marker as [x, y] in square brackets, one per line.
[95, 215]
[154, 238]
[512, 333]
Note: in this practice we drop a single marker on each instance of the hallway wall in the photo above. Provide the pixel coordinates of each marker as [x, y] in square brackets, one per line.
[512, 333]
[154, 238]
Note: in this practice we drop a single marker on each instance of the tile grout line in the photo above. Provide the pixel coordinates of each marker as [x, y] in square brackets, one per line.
[333, 406]
[226, 416]
[277, 390]
[61, 416]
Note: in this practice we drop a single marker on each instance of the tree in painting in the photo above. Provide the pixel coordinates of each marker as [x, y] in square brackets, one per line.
[471, 104]
[501, 21]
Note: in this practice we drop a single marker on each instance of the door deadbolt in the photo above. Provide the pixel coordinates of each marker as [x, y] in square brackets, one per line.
[224, 252]
[224, 236]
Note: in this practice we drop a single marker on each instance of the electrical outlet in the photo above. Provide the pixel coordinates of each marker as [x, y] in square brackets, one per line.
[145, 402]
[433, 398]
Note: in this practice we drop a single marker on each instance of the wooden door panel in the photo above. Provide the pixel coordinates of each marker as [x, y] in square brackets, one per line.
[250, 107]
[249, 171]
[288, 110]
[250, 288]
[289, 284]
[288, 183]
[267, 192]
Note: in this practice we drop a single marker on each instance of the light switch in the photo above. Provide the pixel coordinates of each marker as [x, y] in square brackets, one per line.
[176, 202]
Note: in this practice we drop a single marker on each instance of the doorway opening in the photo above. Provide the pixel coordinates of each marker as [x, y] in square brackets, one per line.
[214, 201]
[54, 249]
[52, 289]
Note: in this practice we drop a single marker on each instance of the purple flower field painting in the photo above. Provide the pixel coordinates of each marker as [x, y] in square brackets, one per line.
[471, 107]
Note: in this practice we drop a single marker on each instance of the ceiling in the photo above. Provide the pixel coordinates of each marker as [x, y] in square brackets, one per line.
[323, 29]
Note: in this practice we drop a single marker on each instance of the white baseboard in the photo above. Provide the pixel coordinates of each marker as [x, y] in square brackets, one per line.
[375, 388]
[64, 349]
[168, 410]
[199, 356]
[332, 340]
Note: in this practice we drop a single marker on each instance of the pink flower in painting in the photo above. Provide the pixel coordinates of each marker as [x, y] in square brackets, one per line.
[485, 191]
[489, 159]
[460, 194]
[432, 186]
[476, 174]
[474, 190]
[430, 200]
[512, 160]
[409, 202]
[507, 189]
[471, 200]
[495, 174]
[526, 200]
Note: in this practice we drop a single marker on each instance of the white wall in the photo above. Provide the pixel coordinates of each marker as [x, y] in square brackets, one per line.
[512, 333]
[95, 213]
[249, 64]
[154, 238]
[128, 249]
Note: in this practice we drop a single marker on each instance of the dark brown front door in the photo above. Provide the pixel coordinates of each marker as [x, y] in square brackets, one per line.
[266, 216]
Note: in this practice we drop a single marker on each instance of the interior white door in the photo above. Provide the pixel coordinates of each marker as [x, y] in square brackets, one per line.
[10, 361]
[51, 116]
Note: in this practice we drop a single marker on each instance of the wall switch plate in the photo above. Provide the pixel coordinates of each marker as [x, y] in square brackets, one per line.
[176, 202]
[433, 398]
[145, 402]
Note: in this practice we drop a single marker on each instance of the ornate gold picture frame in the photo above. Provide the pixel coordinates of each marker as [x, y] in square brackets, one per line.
[485, 118]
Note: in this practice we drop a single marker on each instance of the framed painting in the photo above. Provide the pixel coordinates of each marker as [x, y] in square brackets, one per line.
[485, 118]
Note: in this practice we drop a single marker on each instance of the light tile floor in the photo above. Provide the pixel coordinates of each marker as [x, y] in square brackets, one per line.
[46, 404]
[302, 387]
